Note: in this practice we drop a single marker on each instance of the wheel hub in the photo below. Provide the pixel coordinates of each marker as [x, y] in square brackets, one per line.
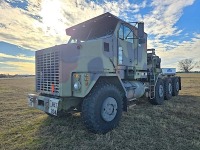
[170, 88]
[109, 109]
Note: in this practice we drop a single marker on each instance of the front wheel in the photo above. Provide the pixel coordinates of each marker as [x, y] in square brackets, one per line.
[102, 108]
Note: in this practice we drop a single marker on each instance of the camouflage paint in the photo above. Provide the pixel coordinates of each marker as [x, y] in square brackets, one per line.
[93, 77]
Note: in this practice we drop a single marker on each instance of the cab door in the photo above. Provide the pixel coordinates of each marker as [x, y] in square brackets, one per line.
[126, 51]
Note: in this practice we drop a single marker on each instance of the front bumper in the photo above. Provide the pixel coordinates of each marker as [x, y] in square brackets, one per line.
[46, 104]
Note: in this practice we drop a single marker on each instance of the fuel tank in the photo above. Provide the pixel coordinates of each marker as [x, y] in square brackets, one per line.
[135, 89]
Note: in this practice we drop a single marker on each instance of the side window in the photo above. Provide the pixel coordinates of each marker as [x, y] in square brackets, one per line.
[125, 33]
[128, 34]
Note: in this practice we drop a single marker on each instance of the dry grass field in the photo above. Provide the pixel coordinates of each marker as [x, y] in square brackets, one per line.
[172, 126]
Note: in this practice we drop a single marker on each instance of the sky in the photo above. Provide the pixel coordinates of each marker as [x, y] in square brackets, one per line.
[173, 27]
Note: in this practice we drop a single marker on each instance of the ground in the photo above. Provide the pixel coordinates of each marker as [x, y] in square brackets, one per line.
[174, 125]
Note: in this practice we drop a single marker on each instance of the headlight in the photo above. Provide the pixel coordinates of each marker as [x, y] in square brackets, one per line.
[77, 85]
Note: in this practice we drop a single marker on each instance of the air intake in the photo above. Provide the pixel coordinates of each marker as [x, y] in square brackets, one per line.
[47, 73]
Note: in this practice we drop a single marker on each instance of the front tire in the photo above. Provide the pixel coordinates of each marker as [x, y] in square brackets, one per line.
[102, 108]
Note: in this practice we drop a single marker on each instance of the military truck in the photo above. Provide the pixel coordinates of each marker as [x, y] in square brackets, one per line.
[102, 69]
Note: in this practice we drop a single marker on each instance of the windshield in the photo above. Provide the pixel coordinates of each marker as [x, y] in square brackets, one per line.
[95, 36]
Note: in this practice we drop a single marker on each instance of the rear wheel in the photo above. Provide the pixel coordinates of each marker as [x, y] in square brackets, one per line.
[167, 88]
[159, 93]
[102, 108]
[175, 86]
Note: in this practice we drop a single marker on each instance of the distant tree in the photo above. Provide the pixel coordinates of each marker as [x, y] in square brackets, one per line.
[187, 65]
[3, 76]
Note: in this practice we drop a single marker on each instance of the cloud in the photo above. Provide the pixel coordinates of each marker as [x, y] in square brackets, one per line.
[162, 19]
[22, 30]
[20, 57]
[13, 67]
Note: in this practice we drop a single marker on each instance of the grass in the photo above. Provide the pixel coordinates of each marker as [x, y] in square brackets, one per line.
[174, 125]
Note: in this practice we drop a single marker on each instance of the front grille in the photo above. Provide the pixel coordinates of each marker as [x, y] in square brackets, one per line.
[47, 73]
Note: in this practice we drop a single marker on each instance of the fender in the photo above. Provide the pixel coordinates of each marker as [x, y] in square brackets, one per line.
[95, 78]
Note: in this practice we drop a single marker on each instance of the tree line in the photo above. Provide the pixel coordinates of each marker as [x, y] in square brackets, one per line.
[12, 76]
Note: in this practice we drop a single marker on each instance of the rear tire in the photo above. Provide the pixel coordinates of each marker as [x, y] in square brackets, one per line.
[159, 93]
[167, 88]
[102, 108]
[175, 86]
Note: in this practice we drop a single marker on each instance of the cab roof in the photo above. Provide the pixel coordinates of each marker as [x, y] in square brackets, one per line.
[100, 25]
